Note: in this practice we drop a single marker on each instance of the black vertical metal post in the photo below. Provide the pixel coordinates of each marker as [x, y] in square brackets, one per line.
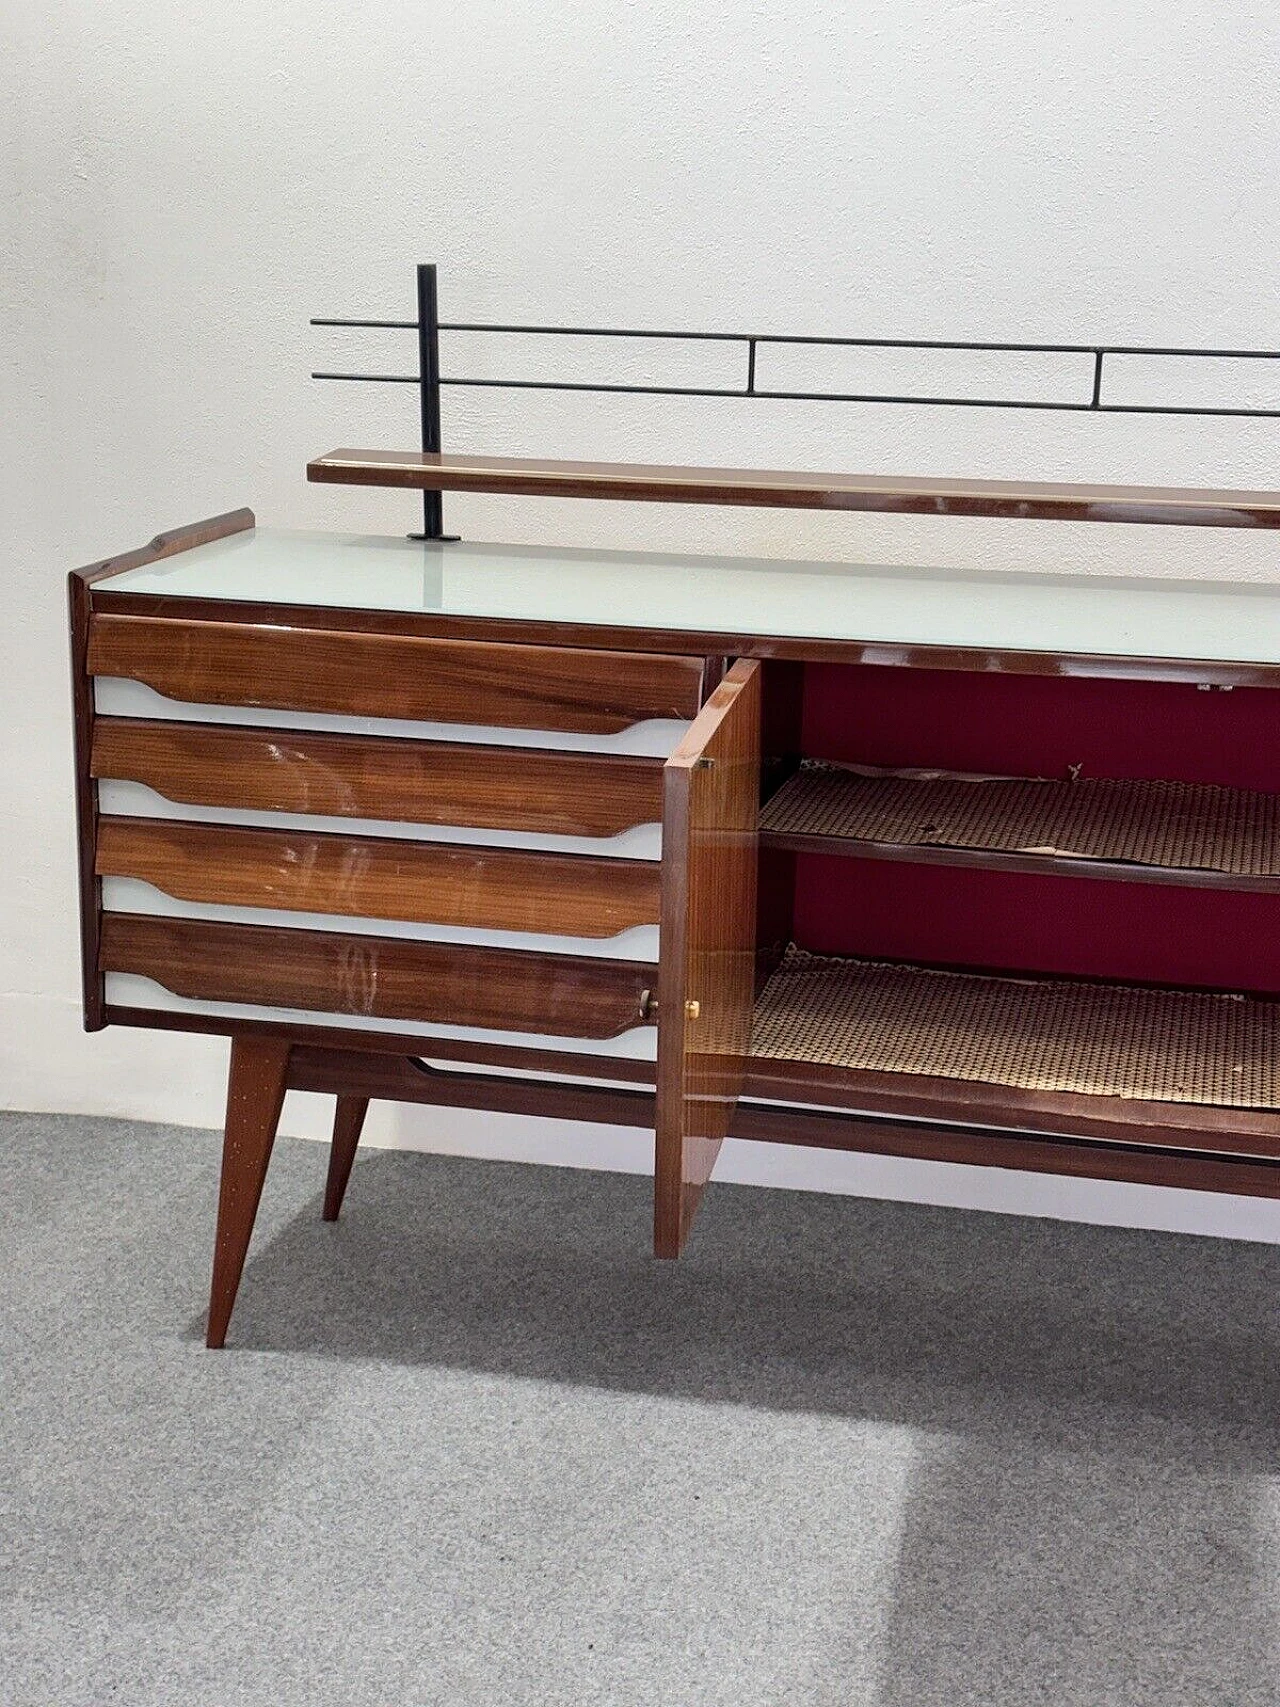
[429, 391]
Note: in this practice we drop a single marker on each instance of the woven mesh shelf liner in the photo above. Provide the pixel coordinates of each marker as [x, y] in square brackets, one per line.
[1033, 1034]
[1187, 826]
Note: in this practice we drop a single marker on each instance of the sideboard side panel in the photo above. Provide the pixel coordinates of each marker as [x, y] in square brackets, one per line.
[90, 884]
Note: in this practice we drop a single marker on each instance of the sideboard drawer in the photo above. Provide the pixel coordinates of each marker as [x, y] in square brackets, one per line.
[381, 877]
[429, 835]
[395, 676]
[391, 978]
[488, 787]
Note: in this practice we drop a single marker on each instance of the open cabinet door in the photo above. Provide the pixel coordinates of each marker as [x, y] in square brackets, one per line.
[711, 803]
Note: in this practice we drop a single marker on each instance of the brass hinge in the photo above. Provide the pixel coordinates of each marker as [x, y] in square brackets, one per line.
[649, 1006]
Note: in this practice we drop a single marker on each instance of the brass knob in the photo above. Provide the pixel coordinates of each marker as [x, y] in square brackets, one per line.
[692, 1009]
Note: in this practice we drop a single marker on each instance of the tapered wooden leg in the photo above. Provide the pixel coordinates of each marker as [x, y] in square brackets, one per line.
[682, 1170]
[348, 1120]
[255, 1094]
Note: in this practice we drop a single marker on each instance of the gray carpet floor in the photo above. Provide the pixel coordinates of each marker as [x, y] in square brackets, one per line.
[473, 1446]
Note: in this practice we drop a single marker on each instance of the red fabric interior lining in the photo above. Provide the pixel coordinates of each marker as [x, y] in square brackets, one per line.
[1040, 725]
[948, 915]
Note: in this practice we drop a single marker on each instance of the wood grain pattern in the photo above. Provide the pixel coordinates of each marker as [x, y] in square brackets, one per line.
[1078, 1158]
[733, 643]
[904, 495]
[382, 877]
[439, 668]
[86, 796]
[336, 972]
[79, 598]
[329, 1070]
[353, 1073]
[707, 977]
[380, 675]
[532, 1058]
[1251, 1132]
[169, 544]
[255, 1095]
[356, 776]
[348, 1123]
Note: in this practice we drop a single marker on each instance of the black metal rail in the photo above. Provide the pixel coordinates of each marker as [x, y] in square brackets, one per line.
[428, 326]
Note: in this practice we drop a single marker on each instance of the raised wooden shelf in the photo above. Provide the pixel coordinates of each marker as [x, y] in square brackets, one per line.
[1002, 1049]
[1138, 831]
[1027, 500]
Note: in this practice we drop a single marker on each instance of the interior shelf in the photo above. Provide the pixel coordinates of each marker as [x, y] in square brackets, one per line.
[1043, 1035]
[1175, 832]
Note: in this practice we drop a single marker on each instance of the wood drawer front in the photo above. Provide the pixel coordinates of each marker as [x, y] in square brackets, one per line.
[333, 972]
[384, 675]
[382, 877]
[356, 776]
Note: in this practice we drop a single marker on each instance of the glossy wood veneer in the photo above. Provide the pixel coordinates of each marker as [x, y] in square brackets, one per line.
[80, 584]
[384, 675]
[348, 1123]
[382, 877]
[934, 496]
[572, 1064]
[1079, 1158]
[262, 1068]
[169, 544]
[359, 776]
[336, 972]
[331, 973]
[707, 643]
[1231, 1131]
[708, 944]
[90, 885]
[343, 1071]
[255, 1095]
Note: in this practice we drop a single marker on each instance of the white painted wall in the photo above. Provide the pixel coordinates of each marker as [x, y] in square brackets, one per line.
[184, 185]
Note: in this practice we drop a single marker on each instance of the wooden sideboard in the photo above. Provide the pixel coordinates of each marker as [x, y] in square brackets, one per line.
[962, 866]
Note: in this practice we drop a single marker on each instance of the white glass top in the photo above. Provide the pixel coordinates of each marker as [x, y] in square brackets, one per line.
[1117, 616]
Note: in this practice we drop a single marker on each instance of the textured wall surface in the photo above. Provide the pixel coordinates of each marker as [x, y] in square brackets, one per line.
[182, 189]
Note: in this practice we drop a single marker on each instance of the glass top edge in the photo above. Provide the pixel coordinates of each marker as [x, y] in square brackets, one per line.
[141, 580]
